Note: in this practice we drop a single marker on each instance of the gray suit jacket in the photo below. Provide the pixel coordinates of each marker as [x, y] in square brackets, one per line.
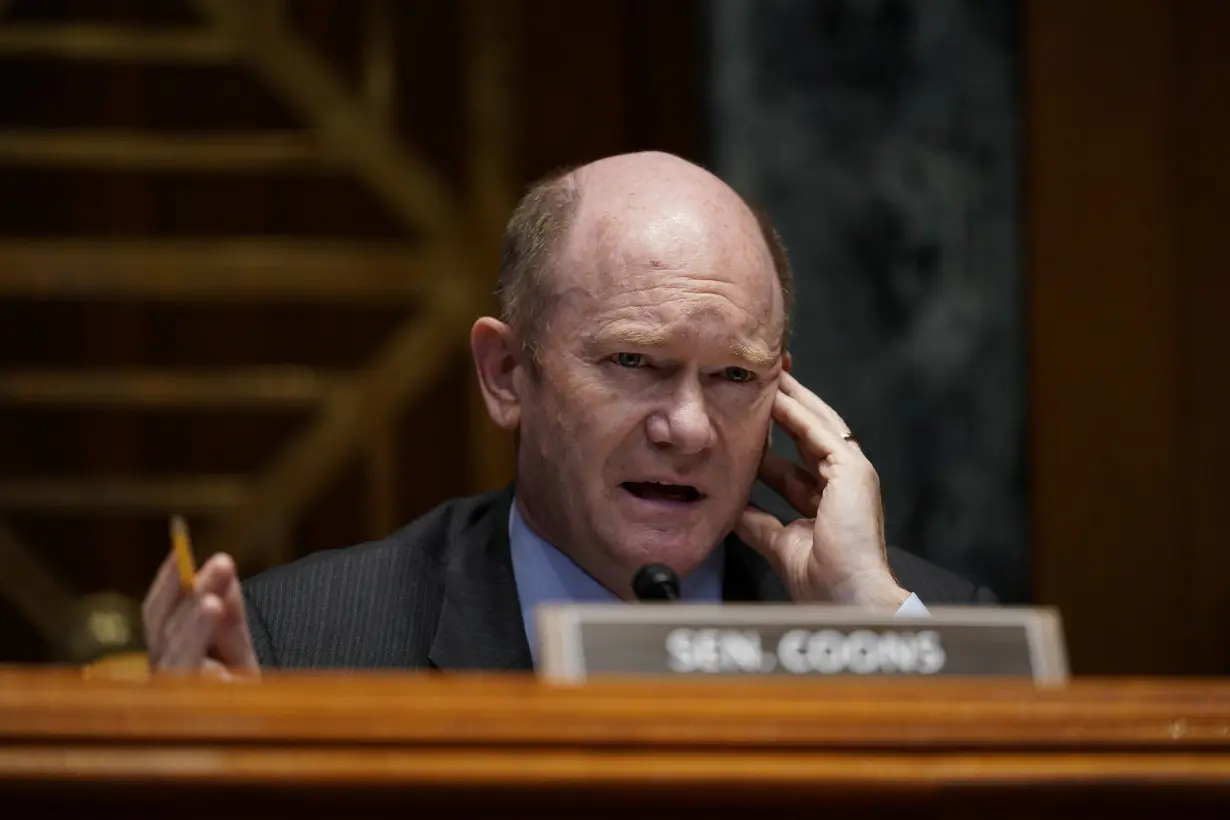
[439, 593]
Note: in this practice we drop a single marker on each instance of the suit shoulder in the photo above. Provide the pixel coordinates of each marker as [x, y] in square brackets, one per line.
[933, 584]
[365, 605]
[426, 538]
[301, 577]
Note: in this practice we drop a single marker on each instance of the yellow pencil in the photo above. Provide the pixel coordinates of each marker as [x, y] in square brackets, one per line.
[183, 553]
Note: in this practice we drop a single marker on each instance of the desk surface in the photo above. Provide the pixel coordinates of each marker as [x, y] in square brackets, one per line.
[463, 729]
[368, 743]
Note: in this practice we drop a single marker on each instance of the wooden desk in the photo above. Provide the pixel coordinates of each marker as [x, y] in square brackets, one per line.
[368, 745]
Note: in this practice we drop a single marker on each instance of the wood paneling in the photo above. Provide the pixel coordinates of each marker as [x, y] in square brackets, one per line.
[584, 80]
[1127, 300]
[1202, 147]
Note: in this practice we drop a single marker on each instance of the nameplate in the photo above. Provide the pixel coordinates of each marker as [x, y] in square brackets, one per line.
[579, 641]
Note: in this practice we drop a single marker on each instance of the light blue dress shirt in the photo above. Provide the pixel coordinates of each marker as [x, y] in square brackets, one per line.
[545, 575]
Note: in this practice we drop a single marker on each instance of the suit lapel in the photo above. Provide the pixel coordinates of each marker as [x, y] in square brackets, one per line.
[480, 624]
[748, 577]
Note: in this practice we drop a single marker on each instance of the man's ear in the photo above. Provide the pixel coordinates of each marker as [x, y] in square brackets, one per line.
[494, 350]
[787, 362]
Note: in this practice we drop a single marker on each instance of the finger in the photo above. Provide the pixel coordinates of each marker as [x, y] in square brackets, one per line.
[232, 640]
[815, 439]
[189, 633]
[164, 593]
[792, 482]
[168, 606]
[797, 390]
[214, 574]
[759, 530]
[215, 669]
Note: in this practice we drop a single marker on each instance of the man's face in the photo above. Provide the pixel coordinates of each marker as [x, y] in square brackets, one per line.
[642, 431]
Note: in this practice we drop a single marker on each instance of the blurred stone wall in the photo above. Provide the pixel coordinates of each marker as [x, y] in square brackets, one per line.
[883, 137]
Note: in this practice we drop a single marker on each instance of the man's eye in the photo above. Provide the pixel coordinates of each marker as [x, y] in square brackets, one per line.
[630, 359]
[739, 374]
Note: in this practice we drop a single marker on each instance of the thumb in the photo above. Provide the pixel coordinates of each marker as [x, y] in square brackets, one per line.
[760, 530]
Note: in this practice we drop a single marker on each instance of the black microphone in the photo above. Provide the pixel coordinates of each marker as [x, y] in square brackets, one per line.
[656, 582]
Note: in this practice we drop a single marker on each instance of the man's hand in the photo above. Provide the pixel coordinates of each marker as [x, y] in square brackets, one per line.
[205, 630]
[836, 551]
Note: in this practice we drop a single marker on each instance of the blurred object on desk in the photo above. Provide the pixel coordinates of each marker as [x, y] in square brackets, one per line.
[98, 626]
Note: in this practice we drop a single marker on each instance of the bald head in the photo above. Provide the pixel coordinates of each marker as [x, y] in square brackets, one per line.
[633, 189]
[650, 210]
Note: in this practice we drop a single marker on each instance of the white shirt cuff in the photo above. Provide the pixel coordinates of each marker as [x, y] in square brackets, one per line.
[914, 607]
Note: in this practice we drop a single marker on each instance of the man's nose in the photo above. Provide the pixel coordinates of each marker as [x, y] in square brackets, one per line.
[683, 424]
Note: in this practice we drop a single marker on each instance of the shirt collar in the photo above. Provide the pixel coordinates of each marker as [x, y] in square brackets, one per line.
[546, 575]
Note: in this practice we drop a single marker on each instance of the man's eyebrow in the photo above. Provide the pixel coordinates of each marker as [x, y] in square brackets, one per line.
[754, 354]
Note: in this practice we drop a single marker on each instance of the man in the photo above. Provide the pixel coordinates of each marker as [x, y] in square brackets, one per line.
[640, 362]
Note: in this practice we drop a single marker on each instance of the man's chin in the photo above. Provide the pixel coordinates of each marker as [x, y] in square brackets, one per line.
[683, 549]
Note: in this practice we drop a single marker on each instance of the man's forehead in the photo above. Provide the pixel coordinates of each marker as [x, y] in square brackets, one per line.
[652, 227]
[629, 200]
[717, 331]
[663, 228]
[644, 248]
[666, 283]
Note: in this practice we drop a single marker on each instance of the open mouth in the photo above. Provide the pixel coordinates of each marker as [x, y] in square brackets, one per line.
[653, 491]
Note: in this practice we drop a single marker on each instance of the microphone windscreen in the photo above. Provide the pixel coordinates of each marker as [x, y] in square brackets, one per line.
[656, 582]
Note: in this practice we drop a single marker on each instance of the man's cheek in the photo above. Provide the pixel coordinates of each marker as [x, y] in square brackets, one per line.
[755, 425]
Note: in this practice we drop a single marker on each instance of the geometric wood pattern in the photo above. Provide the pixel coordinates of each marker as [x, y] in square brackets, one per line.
[444, 269]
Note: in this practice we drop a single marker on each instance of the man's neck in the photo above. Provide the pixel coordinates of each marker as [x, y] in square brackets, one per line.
[604, 572]
[614, 578]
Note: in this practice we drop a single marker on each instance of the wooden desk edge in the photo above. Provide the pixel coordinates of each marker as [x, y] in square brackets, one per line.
[432, 714]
